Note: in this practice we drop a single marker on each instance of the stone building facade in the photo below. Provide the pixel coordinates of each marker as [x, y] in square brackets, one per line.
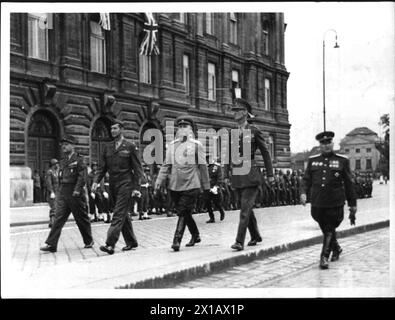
[359, 146]
[69, 75]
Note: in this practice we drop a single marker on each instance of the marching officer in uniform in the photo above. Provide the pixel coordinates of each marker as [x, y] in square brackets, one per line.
[52, 182]
[247, 185]
[214, 195]
[121, 160]
[328, 180]
[185, 164]
[71, 197]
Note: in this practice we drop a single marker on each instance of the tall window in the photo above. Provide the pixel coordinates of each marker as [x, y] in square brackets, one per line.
[235, 84]
[267, 94]
[209, 23]
[37, 35]
[180, 17]
[358, 164]
[211, 82]
[98, 48]
[346, 150]
[357, 150]
[270, 146]
[233, 28]
[368, 150]
[186, 73]
[368, 164]
[145, 68]
[265, 39]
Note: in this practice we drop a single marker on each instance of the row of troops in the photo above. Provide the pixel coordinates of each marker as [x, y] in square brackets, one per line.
[327, 183]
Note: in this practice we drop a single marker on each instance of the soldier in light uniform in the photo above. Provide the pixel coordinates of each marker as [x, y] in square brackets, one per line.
[52, 182]
[71, 197]
[328, 180]
[186, 167]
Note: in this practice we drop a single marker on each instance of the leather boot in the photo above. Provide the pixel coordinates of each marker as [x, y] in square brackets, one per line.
[178, 233]
[336, 249]
[194, 239]
[326, 250]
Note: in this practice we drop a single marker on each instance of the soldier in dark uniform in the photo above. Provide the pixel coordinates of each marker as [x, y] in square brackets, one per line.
[52, 183]
[93, 201]
[214, 195]
[328, 180]
[71, 197]
[186, 167]
[370, 185]
[121, 160]
[247, 185]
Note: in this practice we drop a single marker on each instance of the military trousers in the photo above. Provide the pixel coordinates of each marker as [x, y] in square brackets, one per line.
[121, 193]
[65, 204]
[328, 218]
[247, 217]
[184, 202]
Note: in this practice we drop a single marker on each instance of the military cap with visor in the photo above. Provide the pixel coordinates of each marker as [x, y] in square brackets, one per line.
[325, 136]
[68, 139]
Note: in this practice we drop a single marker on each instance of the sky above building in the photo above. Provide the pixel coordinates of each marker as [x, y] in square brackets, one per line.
[360, 75]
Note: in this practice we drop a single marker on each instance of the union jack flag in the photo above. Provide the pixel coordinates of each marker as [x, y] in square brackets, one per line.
[148, 45]
[105, 21]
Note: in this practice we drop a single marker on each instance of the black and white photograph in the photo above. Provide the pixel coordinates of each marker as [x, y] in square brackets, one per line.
[197, 150]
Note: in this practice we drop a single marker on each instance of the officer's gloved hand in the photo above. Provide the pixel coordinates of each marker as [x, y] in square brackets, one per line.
[303, 199]
[352, 217]
[76, 194]
[52, 195]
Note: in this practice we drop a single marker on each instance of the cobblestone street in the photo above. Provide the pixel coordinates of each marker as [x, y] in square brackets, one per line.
[364, 263]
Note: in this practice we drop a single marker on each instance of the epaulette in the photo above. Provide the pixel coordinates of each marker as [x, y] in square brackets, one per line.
[314, 156]
[341, 155]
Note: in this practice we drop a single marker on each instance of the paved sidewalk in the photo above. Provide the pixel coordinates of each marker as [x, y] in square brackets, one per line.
[153, 263]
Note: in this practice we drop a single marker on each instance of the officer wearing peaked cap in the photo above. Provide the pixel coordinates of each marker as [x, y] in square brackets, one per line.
[247, 185]
[185, 165]
[328, 181]
[70, 197]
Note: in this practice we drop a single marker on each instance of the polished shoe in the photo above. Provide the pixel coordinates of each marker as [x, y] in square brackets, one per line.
[108, 249]
[89, 245]
[48, 248]
[222, 217]
[237, 246]
[324, 263]
[336, 254]
[210, 221]
[176, 246]
[253, 242]
[193, 241]
[129, 247]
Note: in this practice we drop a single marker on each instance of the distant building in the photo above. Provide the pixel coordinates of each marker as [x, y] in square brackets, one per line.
[359, 146]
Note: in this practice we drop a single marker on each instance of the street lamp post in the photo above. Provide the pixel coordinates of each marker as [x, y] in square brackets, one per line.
[323, 70]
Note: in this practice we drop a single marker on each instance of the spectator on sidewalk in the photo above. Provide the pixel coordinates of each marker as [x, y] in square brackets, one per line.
[36, 187]
[120, 158]
[328, 180]
[71, 197]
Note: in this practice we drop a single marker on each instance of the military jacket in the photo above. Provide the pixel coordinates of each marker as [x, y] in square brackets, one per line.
[52, 180]
[253, 177]
[122, 164]
[328, 181]
[73, 172]
[185, 165]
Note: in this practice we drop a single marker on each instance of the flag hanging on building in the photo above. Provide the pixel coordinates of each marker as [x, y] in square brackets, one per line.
[105, 21]
[148, 45]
